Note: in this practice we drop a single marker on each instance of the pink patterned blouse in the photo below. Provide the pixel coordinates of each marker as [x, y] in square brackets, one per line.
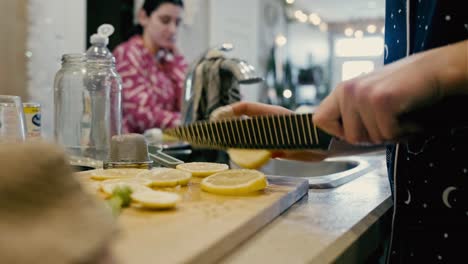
[152, 89]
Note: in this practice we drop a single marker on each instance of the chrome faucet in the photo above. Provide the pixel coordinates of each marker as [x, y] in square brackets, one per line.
[212, 81]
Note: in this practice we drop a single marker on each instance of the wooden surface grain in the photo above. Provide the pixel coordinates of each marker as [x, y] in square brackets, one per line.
[204, 227]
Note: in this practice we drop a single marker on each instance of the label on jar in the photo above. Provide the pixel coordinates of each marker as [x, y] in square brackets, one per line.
[32, 114]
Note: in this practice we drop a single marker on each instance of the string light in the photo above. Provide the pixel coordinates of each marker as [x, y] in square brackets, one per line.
[358, 34]
[314, 19]
[371, 28]
[348, 32]
[281, 40]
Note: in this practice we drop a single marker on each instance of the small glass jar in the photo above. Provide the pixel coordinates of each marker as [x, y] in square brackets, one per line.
[87, 100]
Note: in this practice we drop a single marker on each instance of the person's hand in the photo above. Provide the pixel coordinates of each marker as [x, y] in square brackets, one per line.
[257, 109]
[367, 108]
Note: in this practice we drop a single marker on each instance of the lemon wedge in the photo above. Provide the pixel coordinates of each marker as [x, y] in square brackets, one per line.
[202, 169]
[235, 182]
[135, 184]
[249, 158]
[101, 174]
[156, 199]
[165, 177]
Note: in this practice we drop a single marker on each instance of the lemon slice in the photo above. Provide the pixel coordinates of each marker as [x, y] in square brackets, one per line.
[156, 199]
[234, 182]
[202, 169]
[249, 158]
[101, 174]
[165, 177]
[135, 184]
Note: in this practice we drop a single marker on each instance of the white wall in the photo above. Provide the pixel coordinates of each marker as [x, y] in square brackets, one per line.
[237, 22]
[243, 23]
[55, 27]
[307, 42]
[194, 34]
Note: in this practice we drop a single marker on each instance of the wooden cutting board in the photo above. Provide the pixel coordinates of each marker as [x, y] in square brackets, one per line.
[204, 226]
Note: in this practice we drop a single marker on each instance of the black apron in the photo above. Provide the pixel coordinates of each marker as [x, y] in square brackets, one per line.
[428, 174]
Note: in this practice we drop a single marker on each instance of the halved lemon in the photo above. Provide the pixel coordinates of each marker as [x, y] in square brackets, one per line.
[156, 199]
[101, 174]
[249, 158]
[202, 169]
[165, 177]
[135, 184]
[235, 182]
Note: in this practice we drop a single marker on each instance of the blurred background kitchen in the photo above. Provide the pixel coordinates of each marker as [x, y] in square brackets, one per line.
[302, 48]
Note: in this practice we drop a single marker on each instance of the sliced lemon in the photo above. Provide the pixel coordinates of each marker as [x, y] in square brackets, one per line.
[249, 158]
[235, 182]
[202, 169]
[101, 174]
[135, 184]
[156, 199]
[165, 177]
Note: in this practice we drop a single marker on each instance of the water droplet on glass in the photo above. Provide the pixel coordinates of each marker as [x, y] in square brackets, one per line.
[426, 27]
[425, 205]
[399, 10]
[465, 170]
[447, 17]
[439, 257]
[431, 164]
[391, 15]
[398, 41]
[394, 26]
[445, 235]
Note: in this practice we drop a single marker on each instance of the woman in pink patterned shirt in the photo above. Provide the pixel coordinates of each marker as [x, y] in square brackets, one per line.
[152, 70]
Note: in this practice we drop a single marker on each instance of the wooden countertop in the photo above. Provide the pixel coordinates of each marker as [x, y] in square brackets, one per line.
[325, 226]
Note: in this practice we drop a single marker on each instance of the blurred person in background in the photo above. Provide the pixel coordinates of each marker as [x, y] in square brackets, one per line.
[152, 69]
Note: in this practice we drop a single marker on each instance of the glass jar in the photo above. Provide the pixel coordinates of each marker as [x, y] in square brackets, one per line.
[87, 95]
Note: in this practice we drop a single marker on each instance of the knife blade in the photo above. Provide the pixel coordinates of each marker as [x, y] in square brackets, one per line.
[295, 131]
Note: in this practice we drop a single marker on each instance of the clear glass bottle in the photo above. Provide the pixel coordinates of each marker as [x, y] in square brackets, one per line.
[104, 88]
[68, 97]
[87, 101]
[99, 42]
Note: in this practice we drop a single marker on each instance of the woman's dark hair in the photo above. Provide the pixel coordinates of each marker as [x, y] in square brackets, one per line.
[149, 6]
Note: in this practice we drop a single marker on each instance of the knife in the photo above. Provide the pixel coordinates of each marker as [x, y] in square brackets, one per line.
[274, 132]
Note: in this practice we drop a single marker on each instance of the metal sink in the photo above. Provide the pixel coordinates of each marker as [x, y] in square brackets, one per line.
[329, 173]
